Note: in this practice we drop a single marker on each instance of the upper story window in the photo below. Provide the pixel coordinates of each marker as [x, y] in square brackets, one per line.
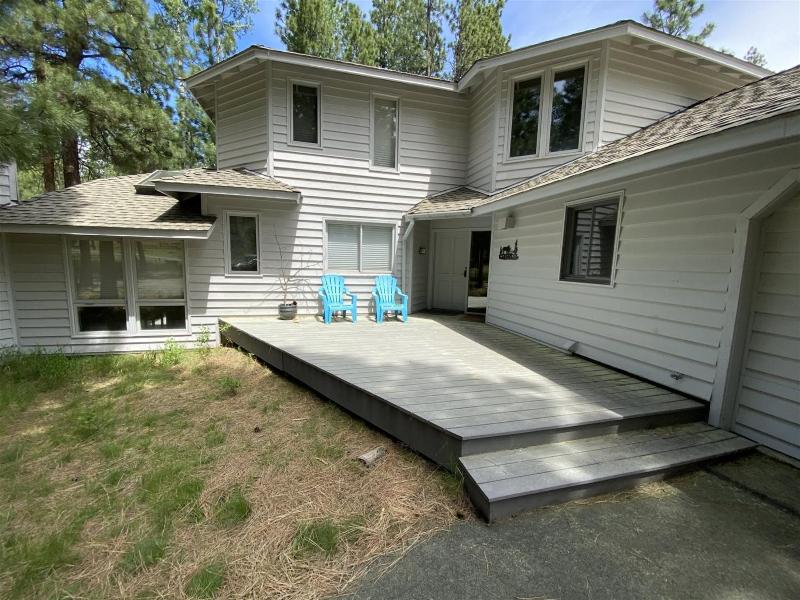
[305, 114]
[359, 247]
[590, 233]
[242, 243]
[525, 117]
[384, 132]
[567, 110]
[555, 93]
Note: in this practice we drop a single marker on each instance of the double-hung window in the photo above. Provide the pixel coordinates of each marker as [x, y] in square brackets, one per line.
[359, 247]
[590, 233]
[305, 114]
[127, 285]
[384, 132]
[546, 113]
[242, 243]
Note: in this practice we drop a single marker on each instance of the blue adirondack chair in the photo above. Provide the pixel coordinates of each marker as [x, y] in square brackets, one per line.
[385, 294]
[332, 293]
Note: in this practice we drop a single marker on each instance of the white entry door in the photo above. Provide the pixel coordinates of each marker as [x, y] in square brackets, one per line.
[450, 261]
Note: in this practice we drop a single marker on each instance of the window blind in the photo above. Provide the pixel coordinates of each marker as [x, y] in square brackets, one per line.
[343, 247]
[305, 119]
[376, 248]
[384, 136]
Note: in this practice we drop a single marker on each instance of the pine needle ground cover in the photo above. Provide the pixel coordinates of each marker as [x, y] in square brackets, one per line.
[195, 475]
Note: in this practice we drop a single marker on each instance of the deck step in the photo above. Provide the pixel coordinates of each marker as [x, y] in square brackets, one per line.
[507, 482]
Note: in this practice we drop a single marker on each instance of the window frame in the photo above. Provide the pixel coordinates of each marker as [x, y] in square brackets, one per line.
[372, 166]
[227, 244]
[360, 223]
[566, 237]
[547, 75]
[290, 113]
[130, 302]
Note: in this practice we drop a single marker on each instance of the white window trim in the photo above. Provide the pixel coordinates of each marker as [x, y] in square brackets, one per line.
[547, 75]
[361, 222]
[373, 167]
[227, 250]
[130, 302]
[620, 197]
[290, 113]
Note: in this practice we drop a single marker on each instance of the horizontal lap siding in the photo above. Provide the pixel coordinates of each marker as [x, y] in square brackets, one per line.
[7, 335]
[769, 398]
[419, 271]
[241, 120]
[643, 86]
[667, 309]
[41, 302]
[336, 181]
[482, 132]
[510, 172]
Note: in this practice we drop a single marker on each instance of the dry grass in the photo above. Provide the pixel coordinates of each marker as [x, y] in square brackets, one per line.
[212, 474]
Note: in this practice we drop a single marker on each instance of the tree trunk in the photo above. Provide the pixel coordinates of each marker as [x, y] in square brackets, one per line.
[71, 161]
[48, 172]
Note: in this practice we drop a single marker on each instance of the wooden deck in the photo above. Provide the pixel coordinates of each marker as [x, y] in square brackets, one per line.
[450, 387]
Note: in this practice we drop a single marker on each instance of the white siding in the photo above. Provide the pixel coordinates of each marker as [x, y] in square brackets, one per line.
[418, 295]
[482, 133]
[336, 180]
[7, 329]
[41, 303]
[643, 86]
[666, 311]
[241, 120]
[511, 171]
[8, 183]
[768, 408]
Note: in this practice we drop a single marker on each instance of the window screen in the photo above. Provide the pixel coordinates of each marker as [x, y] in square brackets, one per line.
[243, 243]
[588, 252]
[98, 275]
[384, 135]
[565, 121]
[525, 117]
[305, 114]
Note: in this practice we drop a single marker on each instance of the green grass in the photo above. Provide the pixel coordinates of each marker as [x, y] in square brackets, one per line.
[144, 553]
[229, 386]
[232, 509]
[215, 436]
[206, 581]
[323, 536]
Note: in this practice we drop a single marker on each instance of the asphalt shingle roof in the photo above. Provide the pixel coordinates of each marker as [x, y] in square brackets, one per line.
[107, 203]
[231, 178]
[460, 198]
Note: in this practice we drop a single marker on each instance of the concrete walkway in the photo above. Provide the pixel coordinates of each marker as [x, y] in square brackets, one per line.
[731, 531]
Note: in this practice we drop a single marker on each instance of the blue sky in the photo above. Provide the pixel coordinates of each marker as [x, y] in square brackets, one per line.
[771, 25]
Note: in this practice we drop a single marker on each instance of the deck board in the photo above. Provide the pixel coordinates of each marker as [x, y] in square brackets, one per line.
[466, 378]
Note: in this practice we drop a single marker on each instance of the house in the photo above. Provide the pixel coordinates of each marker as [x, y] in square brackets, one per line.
[619, 194]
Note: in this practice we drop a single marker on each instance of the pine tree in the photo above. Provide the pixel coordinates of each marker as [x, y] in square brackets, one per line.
[754, 56]
[477, 32]
[356, 36]
[409, 35]
[675, 18]
[308, 26]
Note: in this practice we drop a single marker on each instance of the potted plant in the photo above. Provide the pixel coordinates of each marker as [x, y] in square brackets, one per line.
[289, 280]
